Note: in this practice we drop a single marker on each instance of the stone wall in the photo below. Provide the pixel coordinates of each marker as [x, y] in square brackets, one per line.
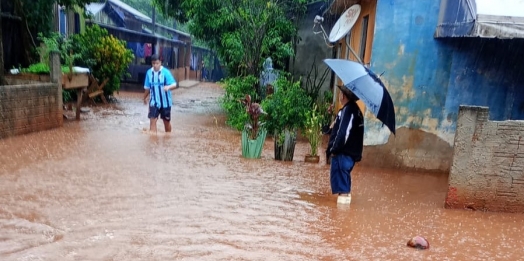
[487, 171]
[28, 108]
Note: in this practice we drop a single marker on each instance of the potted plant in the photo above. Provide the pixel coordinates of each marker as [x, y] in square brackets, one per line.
[254, 133]
[286, 109]
[326, 107]
[313, 133]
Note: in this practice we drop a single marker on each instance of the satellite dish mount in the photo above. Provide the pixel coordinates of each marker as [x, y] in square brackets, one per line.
[341, 28]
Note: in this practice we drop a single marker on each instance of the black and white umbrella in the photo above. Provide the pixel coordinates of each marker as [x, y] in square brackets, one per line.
[367, 87]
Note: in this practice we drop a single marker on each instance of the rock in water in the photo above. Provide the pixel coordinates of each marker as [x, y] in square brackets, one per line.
[418, 242]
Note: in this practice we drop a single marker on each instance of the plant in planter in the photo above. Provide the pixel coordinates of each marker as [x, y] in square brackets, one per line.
[254, 134]
[326, 107]
[236, 89]
[286, 109]
[313, 133]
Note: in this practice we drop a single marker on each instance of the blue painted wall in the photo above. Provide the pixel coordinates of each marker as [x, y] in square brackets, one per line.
[429, 78]
[487, 72]
[417, 67]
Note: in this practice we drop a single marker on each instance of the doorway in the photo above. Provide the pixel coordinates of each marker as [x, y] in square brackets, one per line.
[360, 39]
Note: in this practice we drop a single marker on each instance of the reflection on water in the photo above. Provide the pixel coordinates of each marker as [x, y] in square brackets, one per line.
[102, 189]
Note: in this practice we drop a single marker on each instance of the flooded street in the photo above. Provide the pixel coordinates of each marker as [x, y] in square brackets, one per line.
[102, 189]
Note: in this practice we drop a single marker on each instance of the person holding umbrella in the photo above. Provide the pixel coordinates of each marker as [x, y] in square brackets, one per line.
[345, 145]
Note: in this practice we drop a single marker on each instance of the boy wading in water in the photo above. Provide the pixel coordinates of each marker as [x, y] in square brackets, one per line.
[158, 85]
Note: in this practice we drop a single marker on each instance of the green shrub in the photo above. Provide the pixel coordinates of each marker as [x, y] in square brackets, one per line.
[236, 89]
[41, 68]
[105, 55]
[287, 107]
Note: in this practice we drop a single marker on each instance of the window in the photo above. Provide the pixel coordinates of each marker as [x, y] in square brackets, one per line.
[62, 21]
[363, 37]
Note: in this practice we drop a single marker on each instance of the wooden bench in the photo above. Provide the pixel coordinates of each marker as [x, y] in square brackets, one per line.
[94, 90]
[78, 82]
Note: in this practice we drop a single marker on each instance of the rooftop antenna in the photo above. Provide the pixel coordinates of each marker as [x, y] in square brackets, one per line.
[342, 27]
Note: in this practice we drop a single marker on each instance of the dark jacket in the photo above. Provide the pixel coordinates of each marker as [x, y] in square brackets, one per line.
[347, 136]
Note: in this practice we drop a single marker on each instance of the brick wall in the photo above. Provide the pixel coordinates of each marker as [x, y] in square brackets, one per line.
[26, 108]
[487, 171]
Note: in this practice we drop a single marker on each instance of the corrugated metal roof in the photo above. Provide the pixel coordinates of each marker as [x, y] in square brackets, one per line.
[95, 8]
[138, 15]
[481, 18]
[513, 8]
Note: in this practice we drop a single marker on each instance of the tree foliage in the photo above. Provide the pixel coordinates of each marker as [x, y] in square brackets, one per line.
[242, 32]
[104, 54]
[176, 9]
[39, 14]
[145, 7]
[36, 16]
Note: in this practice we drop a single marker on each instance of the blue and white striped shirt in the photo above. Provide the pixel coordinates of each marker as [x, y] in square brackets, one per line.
[155, 82]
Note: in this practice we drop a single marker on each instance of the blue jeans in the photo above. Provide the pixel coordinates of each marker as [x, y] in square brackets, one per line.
[340, 174]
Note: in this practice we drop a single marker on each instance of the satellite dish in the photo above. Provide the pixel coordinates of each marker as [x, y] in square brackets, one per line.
[344, 23]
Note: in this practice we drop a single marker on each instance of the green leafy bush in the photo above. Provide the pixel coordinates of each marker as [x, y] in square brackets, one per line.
[41, 68]
[287, 107]
[236, 89]
[105, 55]
[325, 106]
[313, 130]
[51, 43]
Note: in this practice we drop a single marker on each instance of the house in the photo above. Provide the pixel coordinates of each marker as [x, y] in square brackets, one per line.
[434, 56]
[126, 23]
[119, 14]
[68, 21]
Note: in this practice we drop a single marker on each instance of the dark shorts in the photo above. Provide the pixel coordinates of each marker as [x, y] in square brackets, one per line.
[165, 113]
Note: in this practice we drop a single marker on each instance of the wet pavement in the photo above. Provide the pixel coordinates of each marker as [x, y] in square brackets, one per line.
[103, 189]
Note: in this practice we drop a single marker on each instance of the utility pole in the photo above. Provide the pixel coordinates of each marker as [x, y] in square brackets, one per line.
[153, 19]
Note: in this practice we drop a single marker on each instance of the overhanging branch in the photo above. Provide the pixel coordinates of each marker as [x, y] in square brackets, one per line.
[10, 16]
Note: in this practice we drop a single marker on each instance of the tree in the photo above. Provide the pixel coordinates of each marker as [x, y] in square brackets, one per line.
[176, 9]
[37, 16]
[242, 32]
[144, 6]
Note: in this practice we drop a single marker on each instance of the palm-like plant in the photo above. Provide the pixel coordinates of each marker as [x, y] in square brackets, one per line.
[313, 129]
[255, 111]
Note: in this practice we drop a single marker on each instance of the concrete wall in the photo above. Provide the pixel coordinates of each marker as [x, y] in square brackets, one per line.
[29, 108]
[429, 78]
[311, 49]
[488, 163]
[416, 73]
[486, 72]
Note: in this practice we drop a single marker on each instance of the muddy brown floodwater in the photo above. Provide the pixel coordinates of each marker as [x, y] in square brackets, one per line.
[102, 189]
